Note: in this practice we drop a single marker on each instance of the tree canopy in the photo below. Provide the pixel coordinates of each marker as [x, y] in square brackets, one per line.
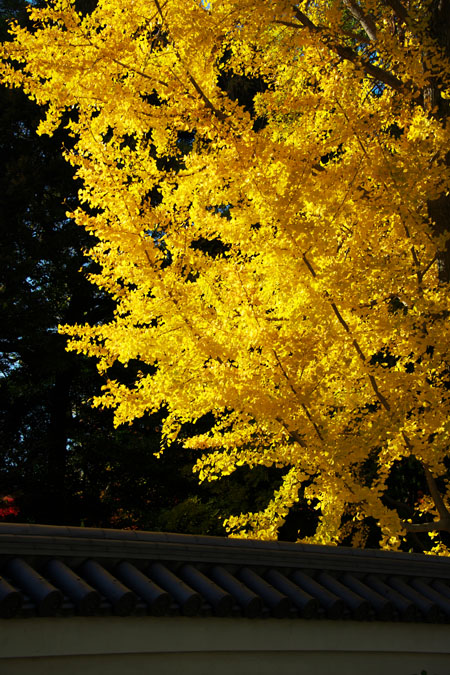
[279, 263]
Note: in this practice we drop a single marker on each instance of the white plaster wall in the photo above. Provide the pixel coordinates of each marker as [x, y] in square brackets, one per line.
[211, 646]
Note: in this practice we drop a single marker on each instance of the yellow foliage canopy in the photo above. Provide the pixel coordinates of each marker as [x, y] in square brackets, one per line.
[318, 333]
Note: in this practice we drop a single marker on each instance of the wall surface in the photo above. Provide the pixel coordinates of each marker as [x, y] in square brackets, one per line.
[212, 646]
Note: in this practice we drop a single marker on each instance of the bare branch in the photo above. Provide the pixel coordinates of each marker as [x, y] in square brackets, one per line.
[366, 21]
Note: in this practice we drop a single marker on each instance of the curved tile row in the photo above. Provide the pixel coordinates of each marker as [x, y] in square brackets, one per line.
[91, 588]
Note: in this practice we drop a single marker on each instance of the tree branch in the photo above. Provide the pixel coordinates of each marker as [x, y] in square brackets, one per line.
[139, 72]
[348, 33]
[292, 434]
[382, 399]
[218, 113]
[398, 9]
[348, 54]
[366, 21]
[398, 505]
[308, 415]
[415, 528]
[430, 264]
[305, 21]
[443, 524]
[433, 526]
[294, 391]
[437, 497]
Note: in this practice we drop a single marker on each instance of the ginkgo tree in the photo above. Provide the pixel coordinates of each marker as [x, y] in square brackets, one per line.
[284, 270]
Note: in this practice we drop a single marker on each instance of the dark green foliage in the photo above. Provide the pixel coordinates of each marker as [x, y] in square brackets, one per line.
[61, 460]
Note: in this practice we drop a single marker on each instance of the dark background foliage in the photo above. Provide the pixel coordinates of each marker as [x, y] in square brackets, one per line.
[62, 462]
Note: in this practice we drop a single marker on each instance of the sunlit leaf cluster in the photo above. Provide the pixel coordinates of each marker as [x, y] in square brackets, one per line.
[317, 330]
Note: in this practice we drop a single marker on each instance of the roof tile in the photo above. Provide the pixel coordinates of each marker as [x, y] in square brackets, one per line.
[59, 571]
